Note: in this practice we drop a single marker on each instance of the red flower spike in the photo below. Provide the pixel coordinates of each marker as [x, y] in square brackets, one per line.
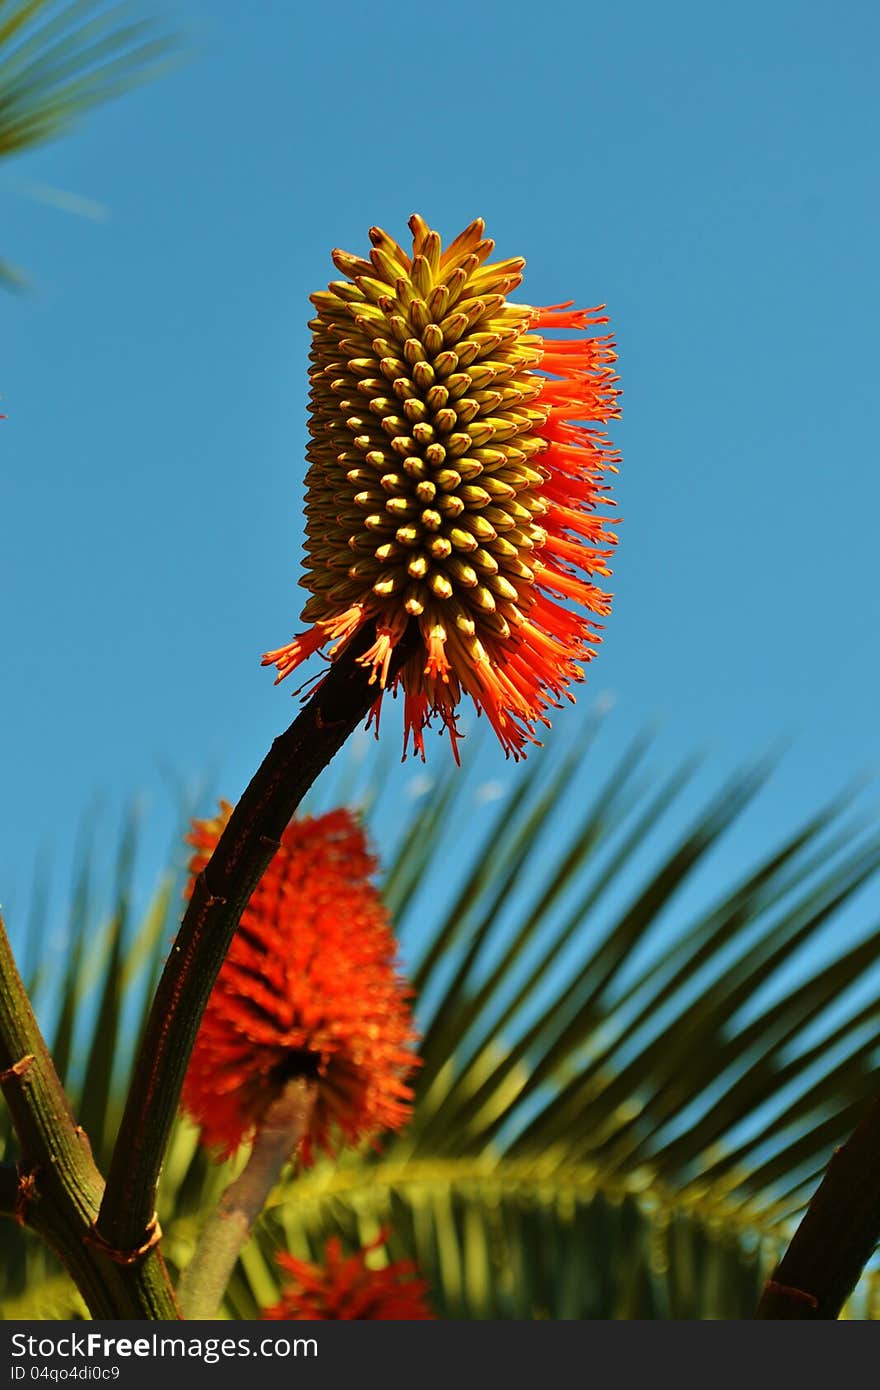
[344, 1287]
[453, 483]
[309, 988]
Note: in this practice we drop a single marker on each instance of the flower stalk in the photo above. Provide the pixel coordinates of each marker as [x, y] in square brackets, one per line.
[228, 1229]
[220, 895]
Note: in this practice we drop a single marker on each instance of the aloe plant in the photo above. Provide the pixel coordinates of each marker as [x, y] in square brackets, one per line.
[621, 1109]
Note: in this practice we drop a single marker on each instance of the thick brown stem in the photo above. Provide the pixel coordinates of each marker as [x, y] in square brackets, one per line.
[837, 1236]
[219, 897]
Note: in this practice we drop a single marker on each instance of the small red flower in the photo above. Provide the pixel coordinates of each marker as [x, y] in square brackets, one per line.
[455, 472]
[344, 1287]
[310, 988]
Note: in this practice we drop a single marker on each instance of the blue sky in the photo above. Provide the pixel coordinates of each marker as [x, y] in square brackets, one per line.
[709, 172]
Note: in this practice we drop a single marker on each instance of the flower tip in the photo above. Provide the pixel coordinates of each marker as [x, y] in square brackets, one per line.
[471, 498]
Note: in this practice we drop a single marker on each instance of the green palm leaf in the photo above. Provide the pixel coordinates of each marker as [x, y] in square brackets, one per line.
[58, 61]
[624, 1101]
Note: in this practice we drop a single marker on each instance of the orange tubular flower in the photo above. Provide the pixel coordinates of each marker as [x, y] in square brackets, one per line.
[309, 988]
[453, 482]
[347, 1288]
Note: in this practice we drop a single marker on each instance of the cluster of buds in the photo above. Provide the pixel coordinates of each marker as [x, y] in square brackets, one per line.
[456, 465]
[455, 468]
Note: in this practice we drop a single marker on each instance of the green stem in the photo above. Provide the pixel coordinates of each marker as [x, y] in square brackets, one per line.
[219, 897]
[836, 1237]
[58, 1191]
[203, 1282]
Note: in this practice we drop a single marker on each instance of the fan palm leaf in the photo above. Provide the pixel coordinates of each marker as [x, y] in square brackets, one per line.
[58, 61]
[624, 1098]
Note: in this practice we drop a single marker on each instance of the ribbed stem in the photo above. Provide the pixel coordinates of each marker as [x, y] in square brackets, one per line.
[203, 1282]
[220, 895]
[59, 1188]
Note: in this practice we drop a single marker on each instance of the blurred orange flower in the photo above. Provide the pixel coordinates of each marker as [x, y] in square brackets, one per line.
[309, 989]
[455, 471]
[344, 1287]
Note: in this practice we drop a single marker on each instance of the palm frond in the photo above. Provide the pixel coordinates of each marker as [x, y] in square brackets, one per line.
[624, 1097]
[57, 61]
[60, 60]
